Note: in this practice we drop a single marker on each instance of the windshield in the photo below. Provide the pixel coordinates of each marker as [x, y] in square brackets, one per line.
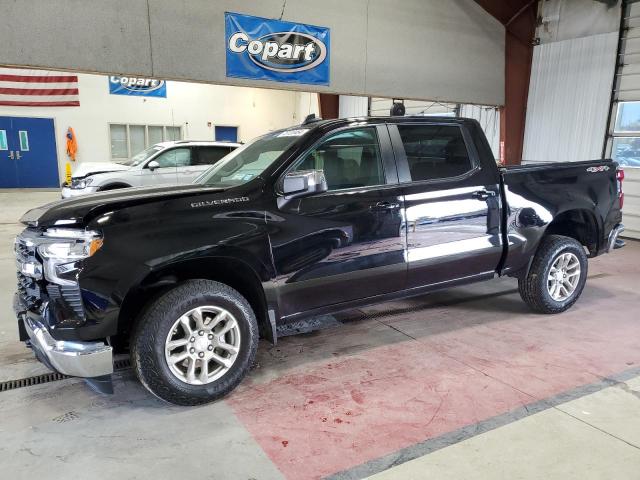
[250, 160]
[138, 158]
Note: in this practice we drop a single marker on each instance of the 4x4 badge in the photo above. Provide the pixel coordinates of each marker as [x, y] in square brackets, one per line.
[602, 168]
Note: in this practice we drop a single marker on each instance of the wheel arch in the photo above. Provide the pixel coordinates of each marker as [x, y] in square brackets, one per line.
[113, 186]
[232, 271]
[580, 224]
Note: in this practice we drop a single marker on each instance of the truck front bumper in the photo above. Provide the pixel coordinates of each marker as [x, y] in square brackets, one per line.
[77, 359]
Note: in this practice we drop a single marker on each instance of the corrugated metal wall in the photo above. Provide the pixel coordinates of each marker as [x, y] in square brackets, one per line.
[569, 97]
[351, 106]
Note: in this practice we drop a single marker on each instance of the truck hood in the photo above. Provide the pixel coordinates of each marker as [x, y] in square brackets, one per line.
[79, 210]
[91, 168]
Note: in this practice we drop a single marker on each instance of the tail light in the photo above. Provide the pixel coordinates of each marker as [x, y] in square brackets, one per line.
[620, 178]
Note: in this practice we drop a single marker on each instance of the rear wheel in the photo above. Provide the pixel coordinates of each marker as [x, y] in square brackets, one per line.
[194, 344]
[557, 275]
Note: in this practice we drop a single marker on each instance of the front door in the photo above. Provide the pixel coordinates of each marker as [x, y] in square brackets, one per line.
[451, 204]
[347, 243]
[28, 157]
[169, 161]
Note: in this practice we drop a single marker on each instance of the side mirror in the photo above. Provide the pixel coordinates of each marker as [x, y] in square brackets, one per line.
[152, 165]
[302, 184]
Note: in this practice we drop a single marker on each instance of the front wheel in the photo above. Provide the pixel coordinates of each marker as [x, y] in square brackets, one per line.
[195, 343]
[557, 275]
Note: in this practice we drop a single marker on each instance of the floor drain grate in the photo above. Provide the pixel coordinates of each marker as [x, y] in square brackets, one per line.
[120, 364]
[30, 381]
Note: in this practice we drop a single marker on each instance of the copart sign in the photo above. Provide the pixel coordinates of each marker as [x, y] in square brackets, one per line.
[146, 87]
[265, 49]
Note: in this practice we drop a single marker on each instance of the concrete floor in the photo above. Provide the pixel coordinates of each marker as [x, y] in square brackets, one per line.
[465, 383]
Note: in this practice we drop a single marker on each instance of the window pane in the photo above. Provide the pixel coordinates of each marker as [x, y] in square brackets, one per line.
[155, 135]
[349, 159]
[628, 118]
[211, 155]
[626, 151]
[177, 157]
[173, 133]
[136, 139]
[434, 151]
[118, 141]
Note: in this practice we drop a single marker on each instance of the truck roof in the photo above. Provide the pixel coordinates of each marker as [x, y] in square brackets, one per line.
[337, 122]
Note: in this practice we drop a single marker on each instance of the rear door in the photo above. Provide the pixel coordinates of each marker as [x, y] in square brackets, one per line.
[201, 159]
[347, 243]
[452, 205]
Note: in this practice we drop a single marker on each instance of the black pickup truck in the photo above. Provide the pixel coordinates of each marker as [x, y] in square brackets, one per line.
[314, 219]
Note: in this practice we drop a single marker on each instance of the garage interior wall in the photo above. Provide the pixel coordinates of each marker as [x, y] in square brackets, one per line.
[624, 130]
[190, 106]
[571, 81]
[450, 51]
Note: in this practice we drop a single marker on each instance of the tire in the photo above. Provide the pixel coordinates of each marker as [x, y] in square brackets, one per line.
[203, 299]
[536, 288]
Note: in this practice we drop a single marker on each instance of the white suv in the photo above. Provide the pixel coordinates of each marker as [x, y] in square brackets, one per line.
[163, 163]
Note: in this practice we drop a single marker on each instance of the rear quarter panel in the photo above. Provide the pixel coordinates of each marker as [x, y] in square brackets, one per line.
[537, 194]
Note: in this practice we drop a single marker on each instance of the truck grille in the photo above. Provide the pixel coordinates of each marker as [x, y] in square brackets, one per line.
[28, 287]
[29, 291]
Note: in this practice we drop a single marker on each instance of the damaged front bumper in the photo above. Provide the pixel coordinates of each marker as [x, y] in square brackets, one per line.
[76, 359]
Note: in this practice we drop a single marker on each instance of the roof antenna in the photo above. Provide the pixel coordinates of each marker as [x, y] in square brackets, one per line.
[310, 119]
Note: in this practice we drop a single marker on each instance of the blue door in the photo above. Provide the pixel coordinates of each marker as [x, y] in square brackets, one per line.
[226, 134]
[28, 157]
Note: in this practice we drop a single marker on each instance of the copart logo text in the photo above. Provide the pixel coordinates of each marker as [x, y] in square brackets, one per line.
[280, 51]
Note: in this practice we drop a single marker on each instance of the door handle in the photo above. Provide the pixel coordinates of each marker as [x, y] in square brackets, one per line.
[483, 194]
[18, 156]
[385, 206]
[11, 156]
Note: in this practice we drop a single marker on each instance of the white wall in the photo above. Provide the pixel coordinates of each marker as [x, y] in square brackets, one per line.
[189, 105]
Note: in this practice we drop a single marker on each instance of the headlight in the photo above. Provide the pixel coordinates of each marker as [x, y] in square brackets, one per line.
[66, 248]
[80, 184]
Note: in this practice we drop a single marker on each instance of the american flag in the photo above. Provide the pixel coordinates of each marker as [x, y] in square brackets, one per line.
[38, 88]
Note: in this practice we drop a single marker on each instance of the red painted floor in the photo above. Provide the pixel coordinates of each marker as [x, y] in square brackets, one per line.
[464, 364]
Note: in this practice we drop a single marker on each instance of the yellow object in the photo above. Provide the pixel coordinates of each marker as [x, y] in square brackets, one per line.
[96, 244]
[67, 173]
[72, 144]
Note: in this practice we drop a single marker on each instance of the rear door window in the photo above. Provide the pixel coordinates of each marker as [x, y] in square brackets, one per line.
[435, 151]
[211, 155]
